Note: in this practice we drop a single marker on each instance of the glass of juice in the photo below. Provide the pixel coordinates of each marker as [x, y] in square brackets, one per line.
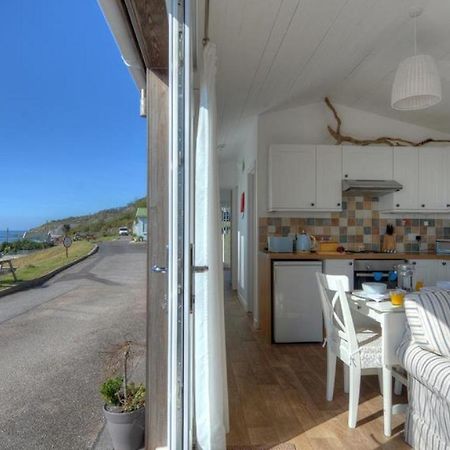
[419, 285]
[397, 297]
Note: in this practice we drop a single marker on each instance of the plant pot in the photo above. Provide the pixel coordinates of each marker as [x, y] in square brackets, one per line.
[126, 428]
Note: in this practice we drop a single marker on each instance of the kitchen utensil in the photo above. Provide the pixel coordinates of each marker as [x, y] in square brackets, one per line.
[305, 242]
[389, 239]
[405, 274]
[374, 288]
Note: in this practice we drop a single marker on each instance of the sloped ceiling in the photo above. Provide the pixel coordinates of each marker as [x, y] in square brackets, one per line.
[274, 54]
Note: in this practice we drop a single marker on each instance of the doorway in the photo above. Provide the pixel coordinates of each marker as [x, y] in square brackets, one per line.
[250, 231]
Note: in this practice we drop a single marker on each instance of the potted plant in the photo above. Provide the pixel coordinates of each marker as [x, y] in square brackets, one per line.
[124, 407]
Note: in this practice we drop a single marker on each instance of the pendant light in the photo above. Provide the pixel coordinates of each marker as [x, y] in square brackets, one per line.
[417, 84]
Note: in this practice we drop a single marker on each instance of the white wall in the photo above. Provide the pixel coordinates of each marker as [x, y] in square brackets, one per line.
[233, 173]
[308, 125]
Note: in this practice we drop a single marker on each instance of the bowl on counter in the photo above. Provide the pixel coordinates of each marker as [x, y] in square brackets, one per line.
[374, 288]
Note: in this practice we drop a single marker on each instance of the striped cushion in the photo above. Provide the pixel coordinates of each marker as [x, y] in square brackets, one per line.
[429, 369]
[428, 316]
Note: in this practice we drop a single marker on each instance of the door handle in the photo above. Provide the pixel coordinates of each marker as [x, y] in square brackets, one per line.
[159, 269]
[200, 269]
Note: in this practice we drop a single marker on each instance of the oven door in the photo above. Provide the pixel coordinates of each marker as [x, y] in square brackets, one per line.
[390, 278]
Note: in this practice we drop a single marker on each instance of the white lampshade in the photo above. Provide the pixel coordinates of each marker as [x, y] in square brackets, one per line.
[417, 84]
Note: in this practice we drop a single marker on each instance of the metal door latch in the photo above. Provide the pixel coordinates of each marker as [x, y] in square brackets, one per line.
[200, 269]
[159, 269]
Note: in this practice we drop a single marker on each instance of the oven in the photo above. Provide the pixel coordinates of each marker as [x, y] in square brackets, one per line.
[380, 270]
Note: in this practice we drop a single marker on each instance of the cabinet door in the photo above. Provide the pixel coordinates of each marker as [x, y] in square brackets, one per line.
[432, 178]
[425, 270]
[442, 270]
[406, 172]
[340, 267]
[328, 177]
[367, 163]
[292, 177]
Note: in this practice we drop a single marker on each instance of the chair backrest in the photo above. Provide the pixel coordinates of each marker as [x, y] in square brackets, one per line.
[336, 310]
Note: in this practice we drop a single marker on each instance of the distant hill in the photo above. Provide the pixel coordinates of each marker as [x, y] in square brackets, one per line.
[104, 222]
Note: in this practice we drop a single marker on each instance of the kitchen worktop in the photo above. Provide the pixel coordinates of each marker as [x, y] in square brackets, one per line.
[319, 256]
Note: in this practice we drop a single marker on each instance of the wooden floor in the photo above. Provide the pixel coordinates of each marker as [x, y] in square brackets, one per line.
[277, 396]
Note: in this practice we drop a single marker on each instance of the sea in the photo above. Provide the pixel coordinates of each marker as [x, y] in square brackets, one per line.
[10, 235]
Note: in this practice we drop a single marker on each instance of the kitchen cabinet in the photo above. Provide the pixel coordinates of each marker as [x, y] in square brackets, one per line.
[433, 170]
[328, 177]
[340, 267]
[442, 270]
[406, 172]
[424, 270]
[430, 271]
[297, 308]
[292, 177]
[367, 163]
[305, 178]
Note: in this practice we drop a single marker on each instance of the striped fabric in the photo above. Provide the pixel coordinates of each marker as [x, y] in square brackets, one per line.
[421, 353]
[427, 424]
[428, 316]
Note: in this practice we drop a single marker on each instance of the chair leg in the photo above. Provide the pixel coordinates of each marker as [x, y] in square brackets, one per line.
[346, 383]
[355, 383]
[398, 387]
[331, 373]
[380, 380]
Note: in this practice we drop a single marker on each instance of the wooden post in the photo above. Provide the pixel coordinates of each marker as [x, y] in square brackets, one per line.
[157, 317]
[151, 27]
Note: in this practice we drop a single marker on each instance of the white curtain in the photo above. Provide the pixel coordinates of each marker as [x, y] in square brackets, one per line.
[211, 394]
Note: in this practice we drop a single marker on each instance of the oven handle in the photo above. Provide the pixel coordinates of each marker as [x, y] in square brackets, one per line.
[371, 274]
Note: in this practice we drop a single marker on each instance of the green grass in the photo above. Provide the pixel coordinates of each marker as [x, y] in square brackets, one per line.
[41, 262]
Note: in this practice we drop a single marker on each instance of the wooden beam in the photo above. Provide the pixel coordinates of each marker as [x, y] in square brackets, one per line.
[157, 314]
[150, 22]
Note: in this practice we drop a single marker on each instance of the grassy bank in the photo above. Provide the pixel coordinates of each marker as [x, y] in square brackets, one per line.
[42, 262]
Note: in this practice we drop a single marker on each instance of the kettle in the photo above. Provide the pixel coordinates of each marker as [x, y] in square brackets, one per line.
[305, 242]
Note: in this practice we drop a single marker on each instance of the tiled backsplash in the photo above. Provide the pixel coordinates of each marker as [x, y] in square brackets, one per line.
[359, 226]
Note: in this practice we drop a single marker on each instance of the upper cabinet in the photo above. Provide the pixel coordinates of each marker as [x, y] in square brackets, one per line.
[406, 172]
[305, 178]
[328, 177]
[292, 177]
[309, 177]
[433, 164]
[424, 173]
[367, 163]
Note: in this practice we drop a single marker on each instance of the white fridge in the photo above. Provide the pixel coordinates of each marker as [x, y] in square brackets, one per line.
[297, 311]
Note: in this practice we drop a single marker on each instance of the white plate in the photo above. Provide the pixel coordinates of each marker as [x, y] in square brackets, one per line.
[375, 297]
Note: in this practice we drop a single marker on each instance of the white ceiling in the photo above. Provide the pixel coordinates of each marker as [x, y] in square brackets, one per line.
[274, 54]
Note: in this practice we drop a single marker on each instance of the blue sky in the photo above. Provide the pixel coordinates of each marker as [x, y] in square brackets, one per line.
[71, 139]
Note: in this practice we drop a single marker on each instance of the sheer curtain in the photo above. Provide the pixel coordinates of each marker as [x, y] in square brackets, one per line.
[211, 394]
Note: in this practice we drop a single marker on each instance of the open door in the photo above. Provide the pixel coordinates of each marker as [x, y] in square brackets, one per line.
[169, 357]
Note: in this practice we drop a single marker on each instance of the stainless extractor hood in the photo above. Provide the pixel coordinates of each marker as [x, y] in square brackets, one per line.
[370, 187]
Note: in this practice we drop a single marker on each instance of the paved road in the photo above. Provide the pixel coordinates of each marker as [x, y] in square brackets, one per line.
[51, 339]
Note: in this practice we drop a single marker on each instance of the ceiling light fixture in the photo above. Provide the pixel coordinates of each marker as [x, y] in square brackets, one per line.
[417, 84]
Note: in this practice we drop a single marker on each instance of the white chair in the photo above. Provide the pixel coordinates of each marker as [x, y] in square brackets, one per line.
[359, 349]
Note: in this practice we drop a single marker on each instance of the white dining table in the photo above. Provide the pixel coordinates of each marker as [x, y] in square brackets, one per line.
[393, 322]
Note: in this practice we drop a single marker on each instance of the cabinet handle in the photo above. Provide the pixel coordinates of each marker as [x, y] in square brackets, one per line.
[346, 175]
[414, 263]
[444, 263]
[423, 205]
[448, 206]
[312, 204]
[398, 205]
[350, 264]
[340, 204]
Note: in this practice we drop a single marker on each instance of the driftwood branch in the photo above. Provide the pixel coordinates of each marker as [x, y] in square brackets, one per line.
[384, 140]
